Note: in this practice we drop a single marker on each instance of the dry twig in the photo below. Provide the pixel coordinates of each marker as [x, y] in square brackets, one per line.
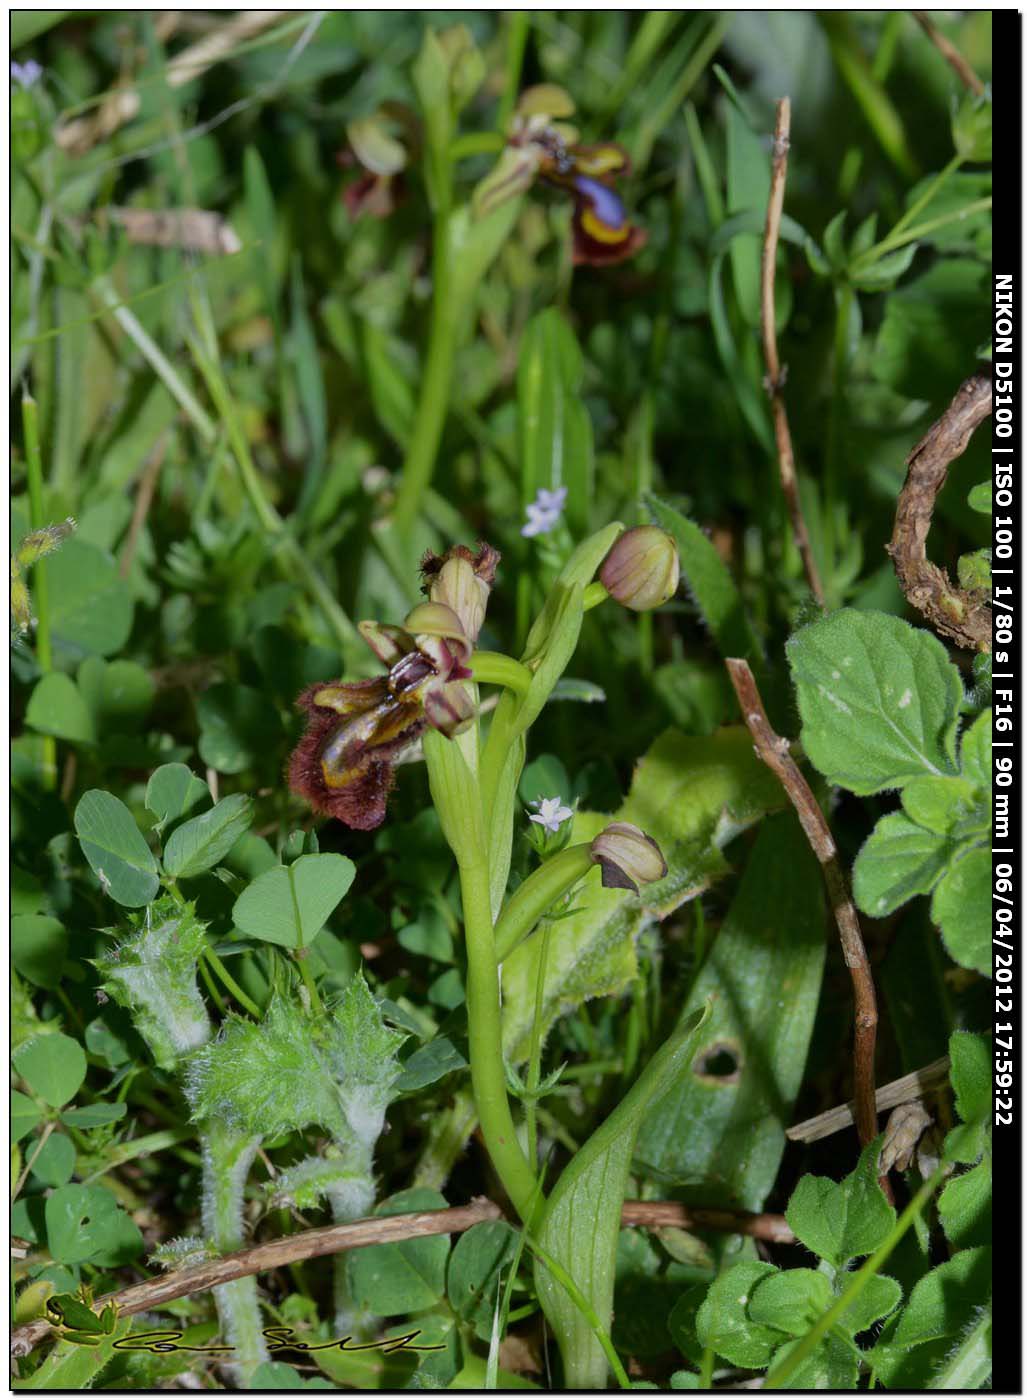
[194, 230]
[658, 1215]
[81, 134]
[959, 614]
[949, 52]
[775, 377]
[333, 1239]
[905, 1090]
[773, 750]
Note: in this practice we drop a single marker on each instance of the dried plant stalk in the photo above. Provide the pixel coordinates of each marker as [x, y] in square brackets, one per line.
[956, 613]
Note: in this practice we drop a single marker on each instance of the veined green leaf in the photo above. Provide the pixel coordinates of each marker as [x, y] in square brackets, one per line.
[723, 1130]
[116, 849]
[289, 904]
[582, 1218]
[199, 844]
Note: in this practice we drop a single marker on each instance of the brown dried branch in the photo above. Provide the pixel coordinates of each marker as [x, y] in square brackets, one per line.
[82, 133]
[658, 1215]
[275, 1254]
[905, 1090]
[334, 1239]
[949, 52]
[773, 750]
[959, 614]
[775, 378]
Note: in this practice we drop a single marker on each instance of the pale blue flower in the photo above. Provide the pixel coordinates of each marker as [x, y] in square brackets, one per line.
[544, 511]
[26, 74]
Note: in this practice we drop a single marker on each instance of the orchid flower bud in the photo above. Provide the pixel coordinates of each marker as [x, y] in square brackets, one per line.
[627, 857]
[642, 569]
[462, 581]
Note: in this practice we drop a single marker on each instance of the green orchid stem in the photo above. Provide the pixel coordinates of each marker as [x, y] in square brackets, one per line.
[534, 1076]
[486, 1048]
[227, 1158]
[433, 403]
[780, 1374]
[495, 668]
[539, 893]
[44, 649]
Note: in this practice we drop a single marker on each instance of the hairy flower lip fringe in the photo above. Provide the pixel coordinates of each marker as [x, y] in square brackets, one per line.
[358, 730]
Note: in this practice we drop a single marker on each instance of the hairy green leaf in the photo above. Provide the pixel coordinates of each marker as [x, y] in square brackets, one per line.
[843, 1220]
[879, 700]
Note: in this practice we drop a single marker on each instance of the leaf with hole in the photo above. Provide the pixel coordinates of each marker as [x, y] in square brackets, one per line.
[86, 1223]
[479, 1267]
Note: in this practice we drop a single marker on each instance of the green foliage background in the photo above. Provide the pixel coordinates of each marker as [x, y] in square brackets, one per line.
[228, 433]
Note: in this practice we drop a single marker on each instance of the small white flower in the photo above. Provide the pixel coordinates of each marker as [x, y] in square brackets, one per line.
[551, 813]
[544, 511]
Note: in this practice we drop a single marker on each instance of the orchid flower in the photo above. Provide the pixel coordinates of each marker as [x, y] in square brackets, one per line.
[357, 730]
[541, 146]
[382, 145]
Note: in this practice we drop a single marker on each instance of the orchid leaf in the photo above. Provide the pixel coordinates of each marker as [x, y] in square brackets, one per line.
[582, 1219]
